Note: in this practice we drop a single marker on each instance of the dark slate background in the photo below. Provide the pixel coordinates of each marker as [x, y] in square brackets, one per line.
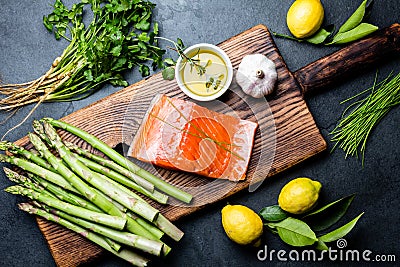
[27, 50]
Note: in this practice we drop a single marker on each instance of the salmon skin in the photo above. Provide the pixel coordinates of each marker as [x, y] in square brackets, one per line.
[181, 135]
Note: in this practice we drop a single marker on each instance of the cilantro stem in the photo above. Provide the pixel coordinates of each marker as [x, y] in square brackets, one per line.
[120, 36]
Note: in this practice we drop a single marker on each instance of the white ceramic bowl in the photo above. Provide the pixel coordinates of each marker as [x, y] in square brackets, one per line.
[217, 51]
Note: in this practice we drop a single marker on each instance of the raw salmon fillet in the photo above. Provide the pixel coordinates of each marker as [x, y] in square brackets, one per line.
[181, 135]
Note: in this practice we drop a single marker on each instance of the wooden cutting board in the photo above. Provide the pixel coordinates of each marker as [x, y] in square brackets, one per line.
[287, 133]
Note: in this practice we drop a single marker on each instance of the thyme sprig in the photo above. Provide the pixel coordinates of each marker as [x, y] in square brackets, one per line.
[194, 61]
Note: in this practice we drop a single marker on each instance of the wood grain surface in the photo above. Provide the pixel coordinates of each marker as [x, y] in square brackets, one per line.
[350, 60]
[287, 135]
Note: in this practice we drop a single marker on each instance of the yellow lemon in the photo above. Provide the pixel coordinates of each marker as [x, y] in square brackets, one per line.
[242, 225]
[299, 195]
[305, 17]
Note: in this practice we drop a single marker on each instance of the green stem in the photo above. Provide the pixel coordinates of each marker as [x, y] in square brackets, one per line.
[121, 160]
[127, 255]
[111, 221]
[42, 172]
[147, 245]
[8, 146]
[85, 190]
[65, 196]
[146, 224]
[111, 165]
[97, 180]
[155, 195]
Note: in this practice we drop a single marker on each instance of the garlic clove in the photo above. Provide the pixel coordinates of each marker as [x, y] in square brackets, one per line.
[256, 75]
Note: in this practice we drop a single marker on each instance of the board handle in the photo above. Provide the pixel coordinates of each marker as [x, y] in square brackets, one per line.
[349, 60]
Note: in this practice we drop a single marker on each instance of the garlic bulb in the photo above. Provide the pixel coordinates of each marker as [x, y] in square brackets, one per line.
[256, 75]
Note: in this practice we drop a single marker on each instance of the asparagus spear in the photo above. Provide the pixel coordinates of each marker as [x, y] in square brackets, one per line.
[97, 180]
[125, 254]
[112, 221]
[111, 165]
[121, 160]
[160, 221]
[146, 224]
[22, 180]
[75, 200]
[40, 185]
[147, 245]
[40, 171]
[65, 196]
[34, 185]
[88, 192]
[155, 195]
[13, 148]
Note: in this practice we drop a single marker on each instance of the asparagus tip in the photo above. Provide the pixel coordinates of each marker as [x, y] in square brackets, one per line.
[13, 176]
[50, 131]
[4, 158]
[47, 119]
[27, 207]
[7, 171]
[5, 145]
[14, 189]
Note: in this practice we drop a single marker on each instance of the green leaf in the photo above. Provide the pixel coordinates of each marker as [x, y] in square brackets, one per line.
[355, 19]
[180, 43]
[155, 28]
[340, 232]
[321, 245]
[116, 50]
[319, 37]
[142, 45]
[358, 32]
[273, 213]
[144, 70]
[118, 80]
[143, 37]
[295, 232]
[329, 214]
[143, 25]
[125, 5]
[88, 75]
[169, 61]
[168, 73]
[47, 24]
[119, 64]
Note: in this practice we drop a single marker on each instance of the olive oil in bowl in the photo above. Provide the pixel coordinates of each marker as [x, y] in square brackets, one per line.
[209, 75]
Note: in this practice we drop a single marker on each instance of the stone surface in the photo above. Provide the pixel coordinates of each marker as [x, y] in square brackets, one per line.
[27, 50]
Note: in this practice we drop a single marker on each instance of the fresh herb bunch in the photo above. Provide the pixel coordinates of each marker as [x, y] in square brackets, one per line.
[120, 36]
[353, 29]
[308, 229]
[354, 128]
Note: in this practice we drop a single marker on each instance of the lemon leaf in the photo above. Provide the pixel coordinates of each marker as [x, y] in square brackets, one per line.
[341, 231]
[358, 32]
[295, 232]
[273, 213]
[319, 37]
[328, 215]
[321, 245]
[355, 19]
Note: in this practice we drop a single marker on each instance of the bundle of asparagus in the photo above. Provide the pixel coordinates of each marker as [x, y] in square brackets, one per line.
[91, 195]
